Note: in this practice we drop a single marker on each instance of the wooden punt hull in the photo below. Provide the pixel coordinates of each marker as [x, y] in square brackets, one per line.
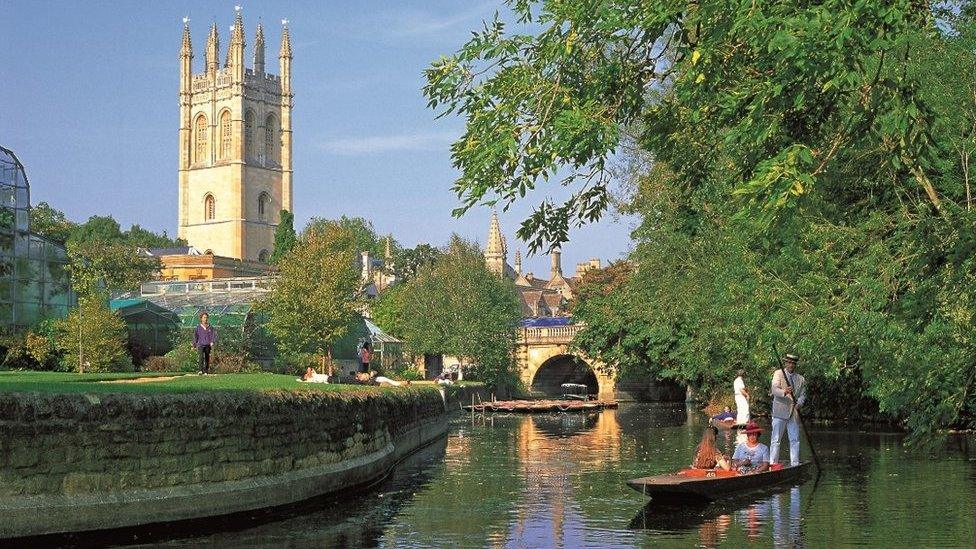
[682, 488]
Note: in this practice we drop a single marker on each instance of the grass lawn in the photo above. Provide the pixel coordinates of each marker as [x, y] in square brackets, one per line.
[62, 382]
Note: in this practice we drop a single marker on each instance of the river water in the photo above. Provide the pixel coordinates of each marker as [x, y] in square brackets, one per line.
[557, 480]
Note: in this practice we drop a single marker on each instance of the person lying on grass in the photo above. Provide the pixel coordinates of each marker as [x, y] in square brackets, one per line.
[311, 376]
[372, 379]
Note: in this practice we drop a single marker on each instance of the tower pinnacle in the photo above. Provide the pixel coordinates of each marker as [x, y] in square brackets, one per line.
[495, 253]
[235, 52]
[285, 41]
[518, 262]
[186, 59]
[213, 51]
[259, 50]
[186, 50]
[496, 242]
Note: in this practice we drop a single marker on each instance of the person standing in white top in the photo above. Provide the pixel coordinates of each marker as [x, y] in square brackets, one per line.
[741, 399]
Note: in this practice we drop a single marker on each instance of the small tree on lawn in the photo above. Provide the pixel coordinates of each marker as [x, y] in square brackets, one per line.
[314, 297]
[92, 338]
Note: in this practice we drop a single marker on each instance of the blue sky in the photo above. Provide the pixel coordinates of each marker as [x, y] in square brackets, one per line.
[88, 101]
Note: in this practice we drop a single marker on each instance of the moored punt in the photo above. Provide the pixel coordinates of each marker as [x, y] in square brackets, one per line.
[691, 484]
[530, 406]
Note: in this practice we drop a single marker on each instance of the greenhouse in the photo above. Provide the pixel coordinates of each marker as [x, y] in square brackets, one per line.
[150, 326]
[34, 279]
[162, 311]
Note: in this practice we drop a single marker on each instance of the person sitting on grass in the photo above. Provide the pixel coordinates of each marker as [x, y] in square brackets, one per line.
[726, 415]
[707, 455]
[751, 456]
[311, 376]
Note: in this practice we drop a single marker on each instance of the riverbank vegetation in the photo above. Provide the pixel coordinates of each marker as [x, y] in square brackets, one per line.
[801, 172]
[455, 306]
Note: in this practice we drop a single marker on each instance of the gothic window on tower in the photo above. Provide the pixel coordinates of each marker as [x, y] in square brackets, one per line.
[200, 153]
[225, 135]
[270, 140]
[249, 135]
[209, 208]
[264, 204]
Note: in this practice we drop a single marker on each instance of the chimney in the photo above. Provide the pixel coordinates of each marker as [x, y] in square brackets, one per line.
[367, 268]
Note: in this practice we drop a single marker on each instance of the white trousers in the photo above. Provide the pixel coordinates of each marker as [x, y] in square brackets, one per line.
[792, 426]
[741, 410]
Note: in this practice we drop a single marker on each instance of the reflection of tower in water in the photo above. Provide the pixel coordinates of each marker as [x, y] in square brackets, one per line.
[551, 450]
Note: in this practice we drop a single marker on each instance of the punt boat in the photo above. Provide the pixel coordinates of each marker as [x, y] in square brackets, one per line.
[710, 485]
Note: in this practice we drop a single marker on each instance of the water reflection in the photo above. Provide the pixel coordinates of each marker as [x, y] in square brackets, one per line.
[756, 517]
[564, 425]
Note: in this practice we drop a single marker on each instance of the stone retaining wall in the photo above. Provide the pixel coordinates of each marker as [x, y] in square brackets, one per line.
[73, 462]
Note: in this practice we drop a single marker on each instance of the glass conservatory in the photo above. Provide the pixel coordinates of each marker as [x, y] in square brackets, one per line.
[34, 278]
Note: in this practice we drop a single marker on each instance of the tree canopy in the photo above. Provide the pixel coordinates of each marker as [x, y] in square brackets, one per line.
[102, 255]
[364, 235]
[408, 262]
[456, 307]
[801, 171]
[761, 100]
[314, 297]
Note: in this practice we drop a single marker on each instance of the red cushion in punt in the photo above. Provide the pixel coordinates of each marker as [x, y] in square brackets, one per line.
[718, 473]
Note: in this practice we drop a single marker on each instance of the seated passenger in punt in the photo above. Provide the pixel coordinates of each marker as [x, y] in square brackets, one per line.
[726, 416]
[751, 456]
[707, 455]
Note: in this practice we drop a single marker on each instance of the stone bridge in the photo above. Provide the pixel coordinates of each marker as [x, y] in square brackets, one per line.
[545, 362]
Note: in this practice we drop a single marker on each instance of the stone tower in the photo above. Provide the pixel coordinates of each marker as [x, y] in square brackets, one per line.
[235, 146]
[495, 253]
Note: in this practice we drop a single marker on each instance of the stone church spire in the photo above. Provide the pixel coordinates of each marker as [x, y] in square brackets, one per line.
[213, 51]
[284, 60]
[495, 254]
[235, 52]
[259, 50]
[285, 50]
[496, 242]
[186, 49]
[518, 263]
[186, 59]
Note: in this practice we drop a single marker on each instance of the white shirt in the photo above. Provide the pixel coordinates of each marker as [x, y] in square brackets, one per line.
[738, 386]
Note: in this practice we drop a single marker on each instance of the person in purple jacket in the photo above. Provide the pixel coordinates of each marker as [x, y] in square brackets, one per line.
[204, 338]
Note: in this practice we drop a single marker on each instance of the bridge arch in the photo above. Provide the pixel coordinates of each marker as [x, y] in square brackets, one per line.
[548, 346]
[564, 368]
